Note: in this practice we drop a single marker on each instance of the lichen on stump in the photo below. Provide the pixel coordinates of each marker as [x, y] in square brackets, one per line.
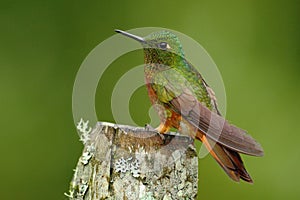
[124, 162]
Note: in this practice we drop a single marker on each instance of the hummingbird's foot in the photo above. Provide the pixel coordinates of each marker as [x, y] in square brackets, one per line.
[148, 127]
[163, 138]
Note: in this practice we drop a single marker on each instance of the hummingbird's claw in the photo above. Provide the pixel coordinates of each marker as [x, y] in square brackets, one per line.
[163, 138]
[148, 127]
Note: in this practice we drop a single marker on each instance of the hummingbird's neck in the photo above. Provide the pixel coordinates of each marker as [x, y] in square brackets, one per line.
[159, 57]
[156, 62]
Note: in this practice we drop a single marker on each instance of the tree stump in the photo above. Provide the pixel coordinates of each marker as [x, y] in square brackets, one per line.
[124, 162]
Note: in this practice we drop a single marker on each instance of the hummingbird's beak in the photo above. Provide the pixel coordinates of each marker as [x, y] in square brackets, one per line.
[135, 37]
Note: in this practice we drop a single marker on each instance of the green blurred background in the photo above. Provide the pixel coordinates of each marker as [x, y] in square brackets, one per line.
[255, 44]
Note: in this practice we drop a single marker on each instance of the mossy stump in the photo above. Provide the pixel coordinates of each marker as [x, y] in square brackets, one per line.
[124, 162]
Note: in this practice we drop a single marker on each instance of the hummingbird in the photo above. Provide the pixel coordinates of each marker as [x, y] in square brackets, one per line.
[184, 101]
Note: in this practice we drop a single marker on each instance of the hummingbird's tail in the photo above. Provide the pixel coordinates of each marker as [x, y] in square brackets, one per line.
[228, 159]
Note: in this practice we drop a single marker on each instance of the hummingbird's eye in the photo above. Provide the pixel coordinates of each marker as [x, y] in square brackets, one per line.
[163, 45]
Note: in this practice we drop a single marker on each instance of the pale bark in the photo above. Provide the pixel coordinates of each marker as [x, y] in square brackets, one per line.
[124, 162]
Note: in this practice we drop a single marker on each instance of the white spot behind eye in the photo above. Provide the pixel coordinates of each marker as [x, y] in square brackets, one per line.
[164, 45]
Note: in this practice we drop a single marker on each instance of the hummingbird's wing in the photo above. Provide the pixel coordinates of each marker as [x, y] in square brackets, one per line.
[176, 92]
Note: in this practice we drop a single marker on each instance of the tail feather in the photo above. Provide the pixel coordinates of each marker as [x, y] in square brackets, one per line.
[228, 159]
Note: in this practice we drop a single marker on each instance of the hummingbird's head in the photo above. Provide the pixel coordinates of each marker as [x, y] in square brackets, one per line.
[161, 47]
[162, 43]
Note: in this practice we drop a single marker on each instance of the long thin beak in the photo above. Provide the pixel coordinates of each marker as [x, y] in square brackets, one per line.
[135, 37]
